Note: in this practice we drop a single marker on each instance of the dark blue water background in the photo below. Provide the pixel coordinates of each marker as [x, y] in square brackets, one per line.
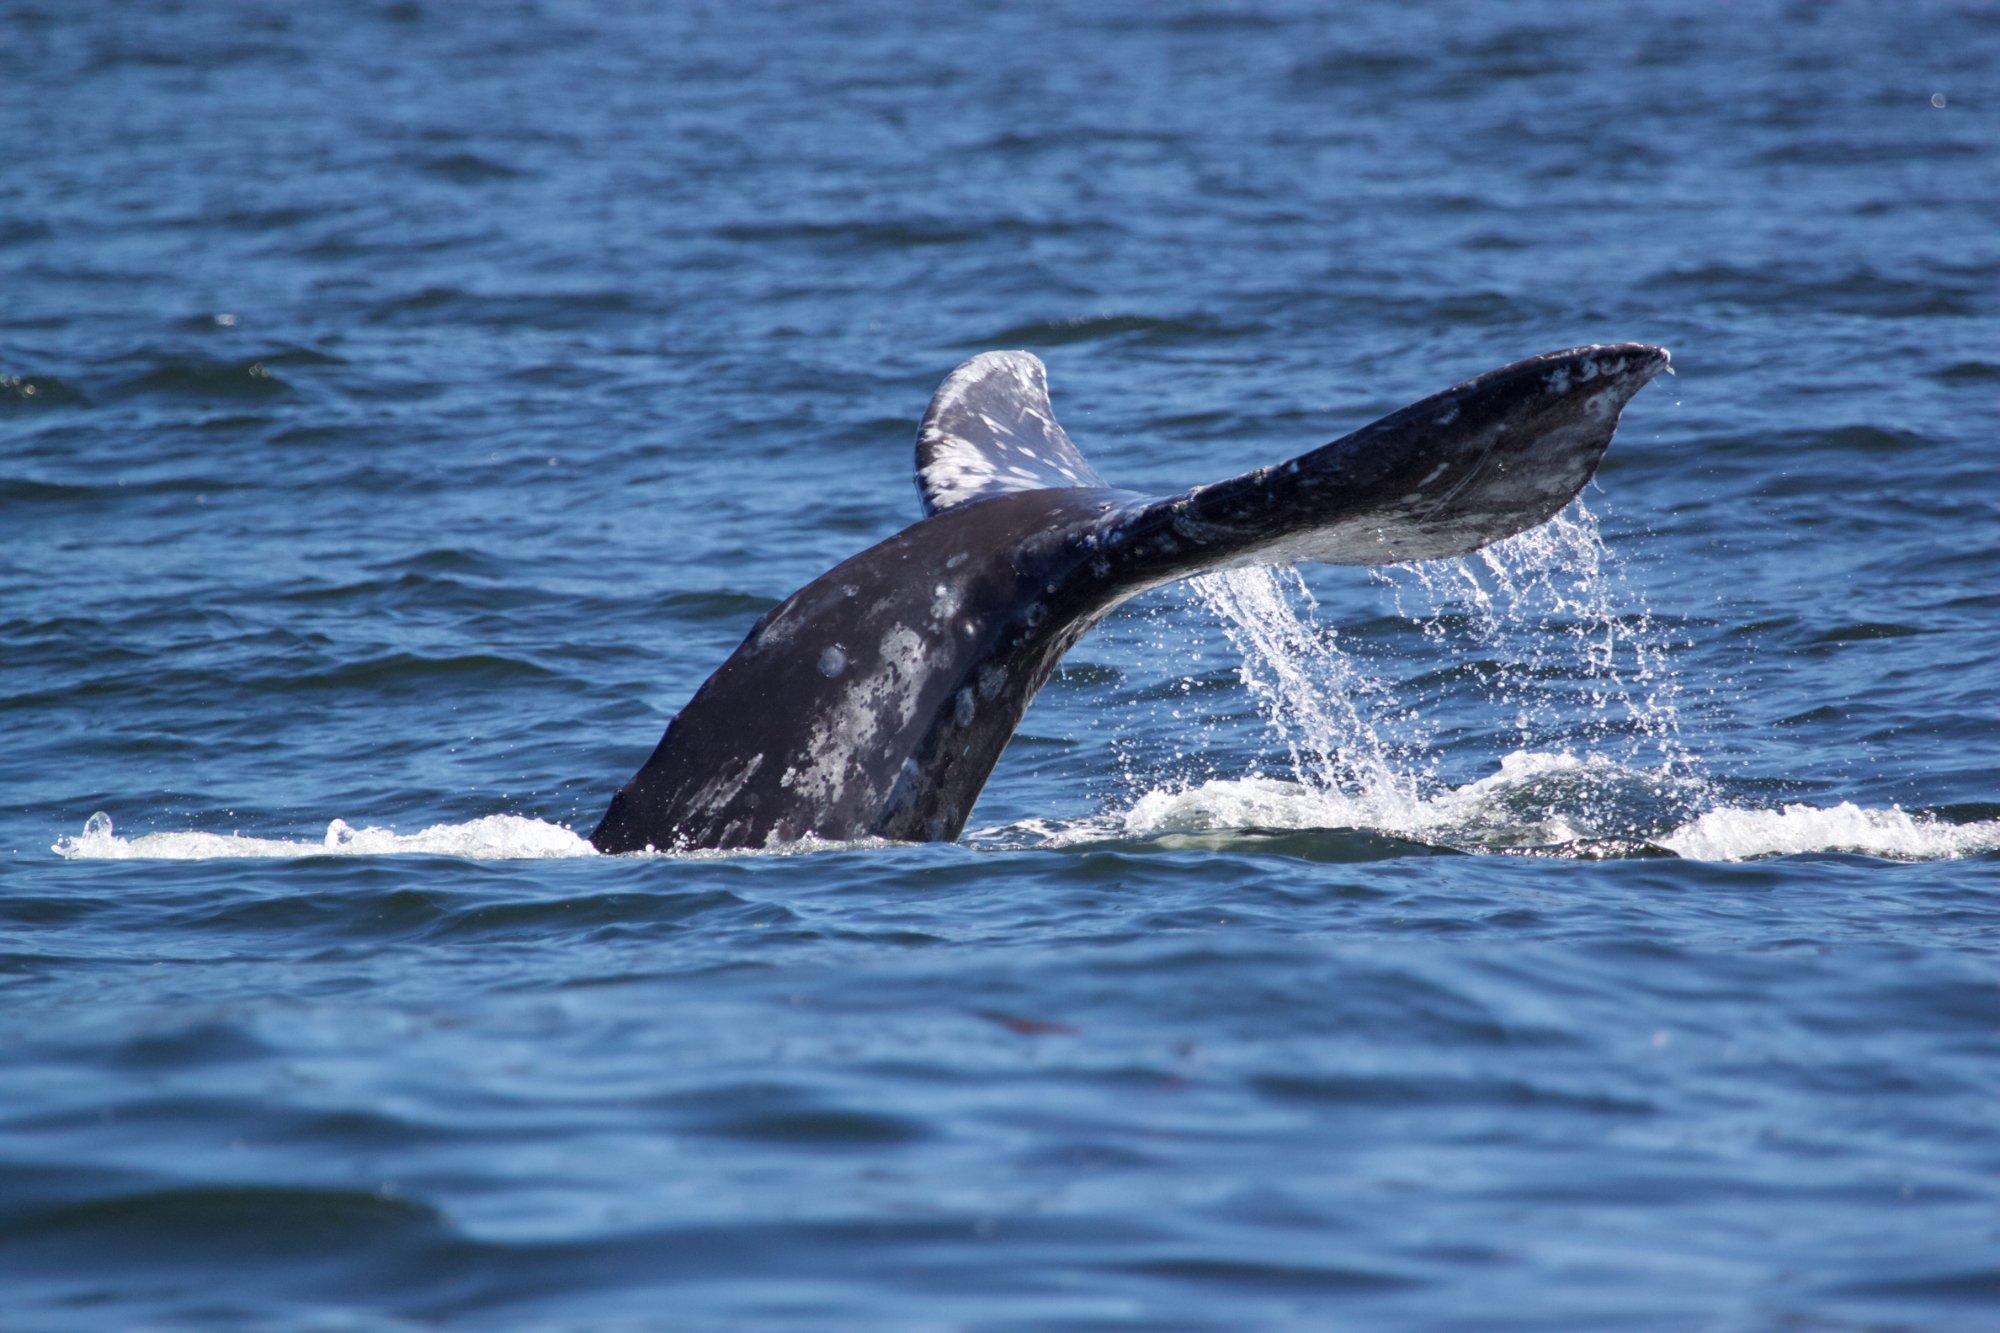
[406, 405]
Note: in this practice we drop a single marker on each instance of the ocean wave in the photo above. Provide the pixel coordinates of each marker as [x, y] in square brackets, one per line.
[36, 391]
[464, 168]
[1147, 329]
[196, 379]
[560, 309]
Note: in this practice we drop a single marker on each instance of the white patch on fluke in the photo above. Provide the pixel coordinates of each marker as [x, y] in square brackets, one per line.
[871, 710]
[1009, 443]
[724, 786]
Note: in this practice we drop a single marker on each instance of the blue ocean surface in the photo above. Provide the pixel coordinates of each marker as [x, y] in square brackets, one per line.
[404, 406]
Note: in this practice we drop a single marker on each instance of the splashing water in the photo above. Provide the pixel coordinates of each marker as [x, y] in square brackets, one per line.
[1559, 647]
[1571, 652]
[1585, 687]
[1330, 713]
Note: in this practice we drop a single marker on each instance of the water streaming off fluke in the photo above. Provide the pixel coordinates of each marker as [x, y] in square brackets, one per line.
[1587, 753]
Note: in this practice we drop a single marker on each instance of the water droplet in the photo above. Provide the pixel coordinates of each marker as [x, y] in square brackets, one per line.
[97, 826]
[1938, 100]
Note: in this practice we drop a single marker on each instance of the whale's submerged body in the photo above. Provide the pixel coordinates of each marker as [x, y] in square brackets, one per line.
[875, 701]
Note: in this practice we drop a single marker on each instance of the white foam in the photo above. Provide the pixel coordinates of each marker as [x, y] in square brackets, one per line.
[490, 838]
[1264, 802]
[1483, 815]
[1741, 835]
[1511, 810]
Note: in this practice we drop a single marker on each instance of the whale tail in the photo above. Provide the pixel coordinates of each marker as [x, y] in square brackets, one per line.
[1480, 461]
[874, 701]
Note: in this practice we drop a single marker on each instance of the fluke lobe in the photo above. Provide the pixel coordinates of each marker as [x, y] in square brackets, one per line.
[875, 701]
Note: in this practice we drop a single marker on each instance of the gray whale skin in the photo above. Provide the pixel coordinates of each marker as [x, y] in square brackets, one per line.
[874, 701]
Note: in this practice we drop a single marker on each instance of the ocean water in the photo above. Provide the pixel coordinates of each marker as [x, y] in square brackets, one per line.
[404, 406]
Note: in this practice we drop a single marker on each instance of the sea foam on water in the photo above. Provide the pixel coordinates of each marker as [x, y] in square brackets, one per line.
[489, 838]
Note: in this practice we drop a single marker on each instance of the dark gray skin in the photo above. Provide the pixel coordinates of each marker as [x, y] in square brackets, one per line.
[874, 702]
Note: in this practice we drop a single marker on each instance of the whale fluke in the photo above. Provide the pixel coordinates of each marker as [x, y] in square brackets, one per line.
[875, 701]
[991, 430]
